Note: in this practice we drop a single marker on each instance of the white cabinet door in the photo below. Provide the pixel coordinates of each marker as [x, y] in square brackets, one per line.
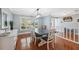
[7, 43]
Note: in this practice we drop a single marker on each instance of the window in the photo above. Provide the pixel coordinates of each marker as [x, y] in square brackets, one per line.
[25, 23]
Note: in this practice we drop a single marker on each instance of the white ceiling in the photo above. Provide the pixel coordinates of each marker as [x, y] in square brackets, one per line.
[45, 11]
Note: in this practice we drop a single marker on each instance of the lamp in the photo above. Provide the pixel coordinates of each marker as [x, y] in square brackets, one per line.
[38, 15]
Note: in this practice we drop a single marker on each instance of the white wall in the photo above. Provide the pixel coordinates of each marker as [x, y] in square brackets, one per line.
[58, 24]
[16, 20]
[74, 24]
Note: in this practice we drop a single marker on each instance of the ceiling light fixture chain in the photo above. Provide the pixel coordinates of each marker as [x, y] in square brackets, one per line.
[38, 10]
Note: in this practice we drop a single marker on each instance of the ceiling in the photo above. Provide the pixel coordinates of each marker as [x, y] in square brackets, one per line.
[57, 12]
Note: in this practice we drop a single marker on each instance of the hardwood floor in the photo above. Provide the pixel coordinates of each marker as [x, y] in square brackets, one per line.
[59, 44]
[32, 45]
[65, 44]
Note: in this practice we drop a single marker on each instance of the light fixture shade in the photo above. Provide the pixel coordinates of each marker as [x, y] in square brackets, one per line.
[38, 16]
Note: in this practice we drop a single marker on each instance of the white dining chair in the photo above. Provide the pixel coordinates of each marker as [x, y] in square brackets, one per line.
[51, 39]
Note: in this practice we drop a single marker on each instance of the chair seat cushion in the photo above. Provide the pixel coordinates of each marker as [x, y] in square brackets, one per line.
[45, 37]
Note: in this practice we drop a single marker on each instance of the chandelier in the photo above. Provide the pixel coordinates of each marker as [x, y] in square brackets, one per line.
[38, 14]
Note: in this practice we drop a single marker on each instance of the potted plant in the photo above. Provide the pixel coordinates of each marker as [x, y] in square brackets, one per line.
[11, 25]
[5, 23]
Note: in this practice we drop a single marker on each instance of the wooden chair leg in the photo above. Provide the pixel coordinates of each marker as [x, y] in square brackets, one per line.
[34, 41]
[47, 45]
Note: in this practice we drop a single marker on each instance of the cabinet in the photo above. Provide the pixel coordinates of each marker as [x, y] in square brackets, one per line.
[8, 42]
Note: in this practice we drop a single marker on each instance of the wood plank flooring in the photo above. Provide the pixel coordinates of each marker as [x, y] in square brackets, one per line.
[32, 45]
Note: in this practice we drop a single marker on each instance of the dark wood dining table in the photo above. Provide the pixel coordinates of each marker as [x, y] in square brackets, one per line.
[44, 36]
